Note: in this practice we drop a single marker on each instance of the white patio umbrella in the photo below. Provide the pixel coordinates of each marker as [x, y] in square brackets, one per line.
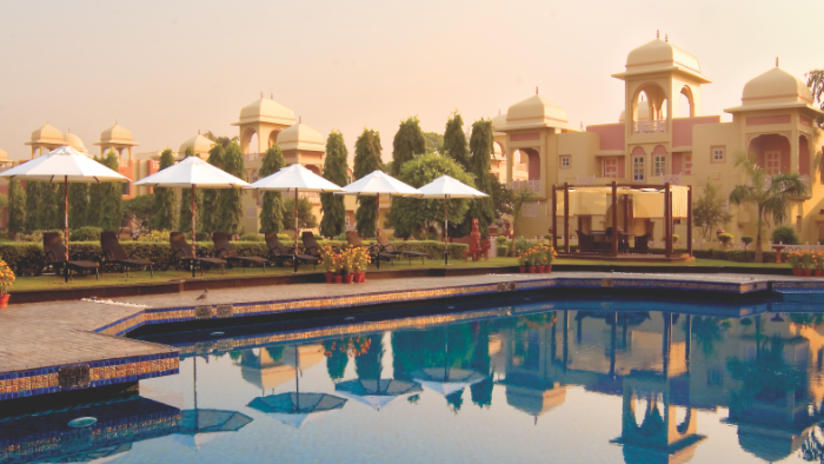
[295, 178]
[375, 184]
[446, 188]
[64, 165]
[193, 172]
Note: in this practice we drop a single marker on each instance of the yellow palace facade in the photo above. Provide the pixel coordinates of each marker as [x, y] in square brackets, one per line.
[662, 137]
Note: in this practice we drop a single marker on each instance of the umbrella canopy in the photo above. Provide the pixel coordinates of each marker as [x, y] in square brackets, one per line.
[64, 164]
[445, 380]
[377, 393]
[378, 183]
[295, 408]
[192, 172]
[295, 178]
[198, 427]
[446, 187]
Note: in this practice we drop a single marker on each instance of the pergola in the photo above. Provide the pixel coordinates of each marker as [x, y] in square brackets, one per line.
[675, 200]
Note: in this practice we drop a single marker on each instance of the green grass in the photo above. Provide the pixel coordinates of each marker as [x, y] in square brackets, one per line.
[48, 282]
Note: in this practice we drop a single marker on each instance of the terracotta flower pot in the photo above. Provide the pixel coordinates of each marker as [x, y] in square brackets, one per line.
[819, 272]
[532, 269]
[808, 272]
[4, 300]
[539, 269]
[348, 278]
[338, 279]
[798, 272]
[330, 277]
[361, 277]
[523, 269]
[547, 269]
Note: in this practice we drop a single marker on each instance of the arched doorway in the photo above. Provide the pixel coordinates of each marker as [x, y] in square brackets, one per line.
[686, 105]
[771, 152]
[650, 99]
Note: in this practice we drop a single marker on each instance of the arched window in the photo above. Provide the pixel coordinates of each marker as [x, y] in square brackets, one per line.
[649, 110]
[686, 107]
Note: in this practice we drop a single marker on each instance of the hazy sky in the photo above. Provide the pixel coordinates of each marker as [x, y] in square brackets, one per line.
[165, 69]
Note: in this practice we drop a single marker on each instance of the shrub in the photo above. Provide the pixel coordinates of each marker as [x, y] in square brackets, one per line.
[250, 237]
[85, 234]
[155, 236]
[521, 245]
[37, 236]
[675, 238]
[785, 235]
[725, 238]
[501, 239]
[746, 240]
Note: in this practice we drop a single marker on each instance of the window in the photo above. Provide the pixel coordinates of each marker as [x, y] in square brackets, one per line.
[719, 154]
[638, 168]
[659, 166]
[715, 376]
[126, 188]
[566, 161]
[772, 162]
[687, 165]
[610, 168]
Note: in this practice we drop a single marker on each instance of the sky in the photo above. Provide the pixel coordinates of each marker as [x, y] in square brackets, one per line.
[165, 69]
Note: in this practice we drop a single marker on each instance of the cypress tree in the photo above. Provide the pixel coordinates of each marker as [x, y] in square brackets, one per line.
[480, 144]
[78, 205]
[209, 211]
[454, 141]
[367, 159]
[231, 200]
[111, 197]
[271, 214]
[164, 216]
[95, 202]
[17, 207]
[33, 206]
[333, 222]
[186, 202]
[408, 142]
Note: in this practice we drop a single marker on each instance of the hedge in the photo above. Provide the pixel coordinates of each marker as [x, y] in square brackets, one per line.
[29, 258]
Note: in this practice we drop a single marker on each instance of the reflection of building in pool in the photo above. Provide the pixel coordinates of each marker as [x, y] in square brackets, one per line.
[272, 366]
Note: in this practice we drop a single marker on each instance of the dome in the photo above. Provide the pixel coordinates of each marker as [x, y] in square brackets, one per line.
[47, 134]
[301, 137]
[266, 110]
[776, 86]
[75, 142]
[499, 122]
[660, 55]
[3, 155]
[496, 151]
[116, 134]
[643, 112]
[199, 143]
[535, 111]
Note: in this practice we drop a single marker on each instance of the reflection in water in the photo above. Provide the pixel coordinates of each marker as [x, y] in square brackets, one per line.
[652, 374]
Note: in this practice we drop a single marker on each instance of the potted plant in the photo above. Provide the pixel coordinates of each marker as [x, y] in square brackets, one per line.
[551, 254]
[330, 265]
[818, 257]
[808, 263]
[360, 259]
[795, 262]
[6, 281]
[348, 262]
[746, 240]
[524, 261]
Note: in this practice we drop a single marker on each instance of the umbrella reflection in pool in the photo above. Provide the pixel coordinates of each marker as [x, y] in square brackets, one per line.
[446, 380]
[377, 393]
[296, 408]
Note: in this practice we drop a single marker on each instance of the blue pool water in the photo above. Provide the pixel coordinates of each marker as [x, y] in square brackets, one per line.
[595, 381]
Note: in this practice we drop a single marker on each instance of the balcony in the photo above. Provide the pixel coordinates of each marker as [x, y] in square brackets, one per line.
[534, 185]
[649, 127]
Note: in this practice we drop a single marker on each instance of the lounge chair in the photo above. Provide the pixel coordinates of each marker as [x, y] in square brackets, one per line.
[182, 253]
[55, 251]
[586, 243]
[115, 254]
[374, 251]
[278, 252]
[387, 247]
[642, 243]
[225, 250]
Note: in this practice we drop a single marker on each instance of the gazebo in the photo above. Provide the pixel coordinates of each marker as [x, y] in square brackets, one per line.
[621, 205]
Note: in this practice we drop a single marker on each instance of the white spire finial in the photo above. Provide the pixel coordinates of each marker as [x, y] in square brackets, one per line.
[300, 119]
[198, 132]
[536, 90]
[658, 33]
[776, 61]
[666, 37]
[261, 94]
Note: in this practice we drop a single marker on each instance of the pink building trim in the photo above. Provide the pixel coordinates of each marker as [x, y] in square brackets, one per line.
[611, 135]
[524, 137]
[765, 120]
[682, 129]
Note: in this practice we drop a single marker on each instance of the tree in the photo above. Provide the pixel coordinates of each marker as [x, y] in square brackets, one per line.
[209, 212]
[501, 199]
[34, 204]
[433, 142]
[408, 142]
[772, 195]
[454, 141]
[416, 217]
[231, 200]
[78, 205]
[367, 159]
[271, 214]
[186, 202]
[333, 222]
[17, 207]
[483, 209]
[221, 140]
[520, 197]
[95, 202]
[141, 207]
[306, 220]
[111, 196]
[710, 211]
[164, 216]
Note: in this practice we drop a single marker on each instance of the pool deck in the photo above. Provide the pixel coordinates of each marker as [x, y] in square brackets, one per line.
[62, 346]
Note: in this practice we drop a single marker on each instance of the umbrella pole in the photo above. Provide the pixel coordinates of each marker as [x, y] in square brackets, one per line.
[445, 233]
[66, 221]
[193, 231]
[378, 227]
[296, 231]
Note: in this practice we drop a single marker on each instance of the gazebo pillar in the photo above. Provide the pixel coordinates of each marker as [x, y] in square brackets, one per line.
[566, 217]
[614, 219]
[667, 220]
[554, 217]
[689, 220]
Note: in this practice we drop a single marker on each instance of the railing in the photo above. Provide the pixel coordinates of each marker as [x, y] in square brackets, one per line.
[534, 185]
[649, 127]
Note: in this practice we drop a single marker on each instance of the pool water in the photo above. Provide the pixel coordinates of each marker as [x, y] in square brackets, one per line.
[594, 381]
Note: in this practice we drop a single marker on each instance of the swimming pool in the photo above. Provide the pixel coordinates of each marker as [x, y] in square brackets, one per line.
[522, 380]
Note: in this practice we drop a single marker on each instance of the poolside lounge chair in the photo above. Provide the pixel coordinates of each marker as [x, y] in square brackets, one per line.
[278, 252]
[387, 247]
[225, 250]
[182, 253]
[55, 251]
[374, 250]
[115, 254]
[586, 243]
[642, 243]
